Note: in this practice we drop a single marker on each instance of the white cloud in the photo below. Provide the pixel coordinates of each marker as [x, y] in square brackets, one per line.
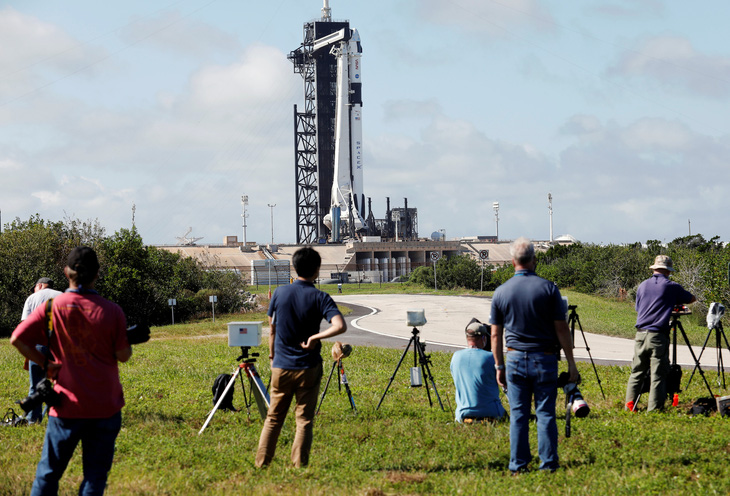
[181, 35]
[673, 62]
[493, 19]
[36, 52]
[630, 9]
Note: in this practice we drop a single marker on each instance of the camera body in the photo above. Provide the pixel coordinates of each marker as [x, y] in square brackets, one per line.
[44, 393]
[415, 317]
[573, 396]
[714, 314]
[138, 333]
[681, 310]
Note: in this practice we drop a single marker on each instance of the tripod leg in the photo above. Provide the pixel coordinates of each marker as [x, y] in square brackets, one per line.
[427, 373]
[327, 385]
[694, 357]
[595, 370]
[698, 359]
[405, 352]
[258, 391]
[223, 396]
[247, 399]
[727, 345]
[343, 380]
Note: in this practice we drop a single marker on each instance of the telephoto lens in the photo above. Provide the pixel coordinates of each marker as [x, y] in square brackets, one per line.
[579, 407]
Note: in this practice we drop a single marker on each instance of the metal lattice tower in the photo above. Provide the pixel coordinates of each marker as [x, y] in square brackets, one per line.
[314, 136]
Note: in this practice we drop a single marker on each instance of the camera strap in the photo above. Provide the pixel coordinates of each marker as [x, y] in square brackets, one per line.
[49, 328]
[49, 320]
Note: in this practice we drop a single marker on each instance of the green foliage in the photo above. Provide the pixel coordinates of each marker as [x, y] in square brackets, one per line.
[33, 249]
[455, 272]
[140, 279]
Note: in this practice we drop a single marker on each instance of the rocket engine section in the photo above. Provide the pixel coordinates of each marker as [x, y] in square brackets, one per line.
[348, 199]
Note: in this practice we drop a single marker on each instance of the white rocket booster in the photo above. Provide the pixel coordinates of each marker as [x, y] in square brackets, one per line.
[347, 185]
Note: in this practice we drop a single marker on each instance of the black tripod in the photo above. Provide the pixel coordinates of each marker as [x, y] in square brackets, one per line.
[719, 333]
[676, 324]
[337, 364]
[419, 358]
[572, 320]
[257, 390]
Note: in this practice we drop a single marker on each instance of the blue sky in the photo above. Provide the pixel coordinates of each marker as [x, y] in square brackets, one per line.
[618, 108]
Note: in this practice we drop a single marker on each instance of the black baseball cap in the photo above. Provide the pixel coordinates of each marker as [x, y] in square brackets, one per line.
[83, 260]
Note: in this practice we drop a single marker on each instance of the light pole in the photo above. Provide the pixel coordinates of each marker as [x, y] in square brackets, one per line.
[244, 202]
[271, 206]
[550, 209]
[495, 206]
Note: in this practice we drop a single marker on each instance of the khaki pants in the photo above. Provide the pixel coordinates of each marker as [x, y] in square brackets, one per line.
[285, 385]
[651, 351]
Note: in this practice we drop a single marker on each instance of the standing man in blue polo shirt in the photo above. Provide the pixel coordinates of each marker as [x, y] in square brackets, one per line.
[530, 312]
[295, 313]
[655, 299]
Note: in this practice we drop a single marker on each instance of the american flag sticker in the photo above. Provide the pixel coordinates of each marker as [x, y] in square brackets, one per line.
[243, 330]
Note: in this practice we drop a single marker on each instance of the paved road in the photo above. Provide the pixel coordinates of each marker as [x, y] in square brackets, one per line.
[380, 320]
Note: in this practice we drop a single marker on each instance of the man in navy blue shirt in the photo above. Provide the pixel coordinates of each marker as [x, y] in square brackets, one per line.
[530, 312]
[655, 299]
[295, 313]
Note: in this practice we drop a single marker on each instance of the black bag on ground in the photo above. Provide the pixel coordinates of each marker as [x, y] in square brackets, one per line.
[703, 406]
[674, 379]
[219, 385]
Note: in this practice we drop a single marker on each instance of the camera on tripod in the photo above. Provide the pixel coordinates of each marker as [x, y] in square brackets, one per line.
[573, 396]
[681, 310]
[714, 314]
[416, 318]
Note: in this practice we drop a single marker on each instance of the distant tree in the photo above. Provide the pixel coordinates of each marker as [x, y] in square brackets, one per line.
[140, 279]
[33, 249]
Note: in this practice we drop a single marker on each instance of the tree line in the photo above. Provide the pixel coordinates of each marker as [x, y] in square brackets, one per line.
[141, 279]
[614, 271]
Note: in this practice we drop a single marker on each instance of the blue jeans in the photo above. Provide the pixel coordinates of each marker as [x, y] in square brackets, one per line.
[532, 374]
[37, 373]
[97, 438]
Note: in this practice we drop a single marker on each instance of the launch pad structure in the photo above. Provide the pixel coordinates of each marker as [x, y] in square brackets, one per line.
[328, 149]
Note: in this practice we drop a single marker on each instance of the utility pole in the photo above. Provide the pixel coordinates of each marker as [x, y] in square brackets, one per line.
[495, 206]
[271, 206]
[244, 202]
[550, 209]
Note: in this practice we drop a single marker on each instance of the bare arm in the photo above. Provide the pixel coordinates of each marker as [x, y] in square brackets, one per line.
[32, 354]
[272, 336]
[566, 342]
[124, 355]
[498, 352]
[337, 326]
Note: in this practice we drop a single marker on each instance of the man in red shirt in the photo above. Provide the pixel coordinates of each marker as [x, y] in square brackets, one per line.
[88, 339]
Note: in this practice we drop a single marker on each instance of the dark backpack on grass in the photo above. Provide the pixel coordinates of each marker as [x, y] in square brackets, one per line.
[703, 406]
[219, 385]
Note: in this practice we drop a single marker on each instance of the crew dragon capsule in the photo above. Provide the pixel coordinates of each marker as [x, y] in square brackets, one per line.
[348, 199]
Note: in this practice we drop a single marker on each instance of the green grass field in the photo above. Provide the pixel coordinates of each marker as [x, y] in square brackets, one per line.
[406, 447]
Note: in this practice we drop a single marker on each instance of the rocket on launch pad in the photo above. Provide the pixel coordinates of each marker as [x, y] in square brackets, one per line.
[347, 198]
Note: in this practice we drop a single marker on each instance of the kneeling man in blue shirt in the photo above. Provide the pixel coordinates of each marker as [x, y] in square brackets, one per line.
[477, 392]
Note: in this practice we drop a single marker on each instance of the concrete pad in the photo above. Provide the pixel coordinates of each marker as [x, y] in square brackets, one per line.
[447, 316]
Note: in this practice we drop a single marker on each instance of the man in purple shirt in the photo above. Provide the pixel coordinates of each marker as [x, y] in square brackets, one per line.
[655, 299]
